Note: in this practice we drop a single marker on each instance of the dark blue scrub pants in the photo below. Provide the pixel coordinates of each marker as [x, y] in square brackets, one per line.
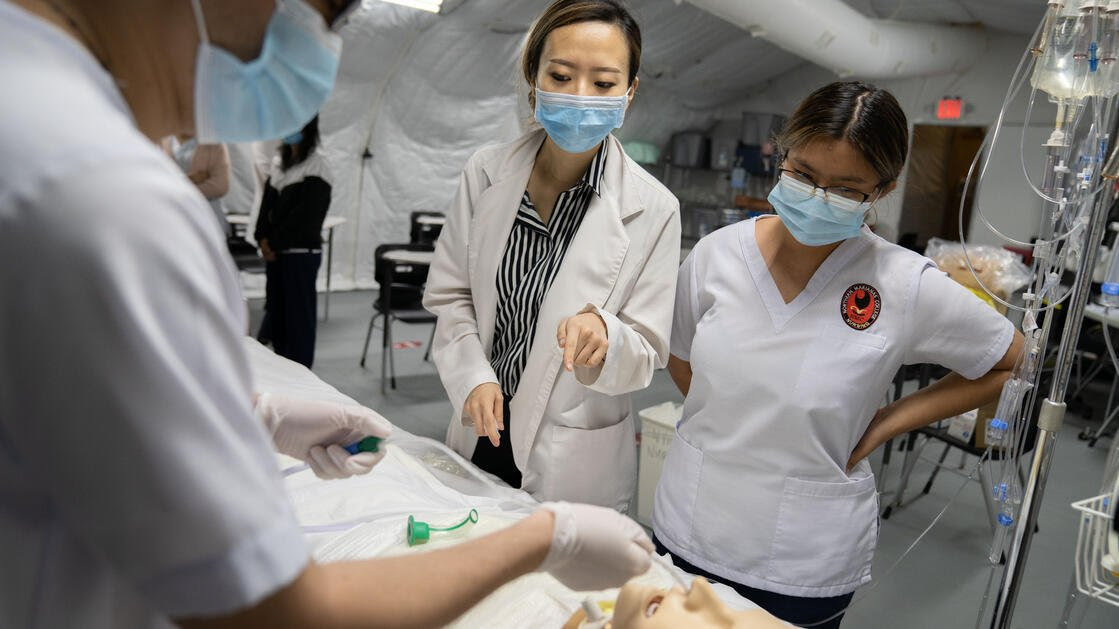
[498, 461]
[291, 306]
[798, 610]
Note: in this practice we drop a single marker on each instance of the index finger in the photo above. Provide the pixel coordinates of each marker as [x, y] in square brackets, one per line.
[572, 345]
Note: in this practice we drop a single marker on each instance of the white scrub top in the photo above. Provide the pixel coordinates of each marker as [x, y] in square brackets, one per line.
[135, 483]
[754, 487]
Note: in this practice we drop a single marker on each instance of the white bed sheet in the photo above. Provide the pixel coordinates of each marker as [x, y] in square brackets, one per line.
[366, 516]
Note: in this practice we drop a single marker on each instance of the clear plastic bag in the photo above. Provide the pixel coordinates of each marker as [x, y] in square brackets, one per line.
[997, 269]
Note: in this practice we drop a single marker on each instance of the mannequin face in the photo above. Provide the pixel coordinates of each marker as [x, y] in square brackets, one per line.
[646, 607]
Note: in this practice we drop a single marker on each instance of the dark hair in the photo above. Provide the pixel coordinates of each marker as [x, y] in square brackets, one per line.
[868, 117]
[567, 12]
[292, 155]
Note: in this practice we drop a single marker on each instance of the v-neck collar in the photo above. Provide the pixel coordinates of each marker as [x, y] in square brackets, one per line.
[530, 218]
[779, 311]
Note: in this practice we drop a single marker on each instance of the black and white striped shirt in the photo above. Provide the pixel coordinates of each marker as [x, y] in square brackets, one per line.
[531, 261]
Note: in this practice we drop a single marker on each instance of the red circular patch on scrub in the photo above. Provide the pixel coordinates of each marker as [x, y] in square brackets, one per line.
[861, 306]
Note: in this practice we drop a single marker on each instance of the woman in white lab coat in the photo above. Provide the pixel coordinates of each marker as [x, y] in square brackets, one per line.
[787, 333]
[553, 276]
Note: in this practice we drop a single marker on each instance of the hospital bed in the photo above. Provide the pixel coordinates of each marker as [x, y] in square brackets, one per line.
[366, 516]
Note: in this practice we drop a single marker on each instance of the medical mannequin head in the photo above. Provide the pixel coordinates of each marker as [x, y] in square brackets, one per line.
[583, 47]
[648, 607]
[855, 132]
[150, 46]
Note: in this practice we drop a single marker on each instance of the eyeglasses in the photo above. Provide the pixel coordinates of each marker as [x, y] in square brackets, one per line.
[843, 192]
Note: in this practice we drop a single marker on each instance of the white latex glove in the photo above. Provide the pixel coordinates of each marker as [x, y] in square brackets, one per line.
[315, 432]
[594, 548]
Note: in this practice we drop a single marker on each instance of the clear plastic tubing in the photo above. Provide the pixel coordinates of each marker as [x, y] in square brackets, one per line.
[1109, 290]
[1005, 523]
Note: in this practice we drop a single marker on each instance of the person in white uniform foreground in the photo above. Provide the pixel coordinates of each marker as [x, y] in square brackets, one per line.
[137, 488]
[787, 333]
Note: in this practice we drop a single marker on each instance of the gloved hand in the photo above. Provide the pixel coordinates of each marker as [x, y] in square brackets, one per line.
[594, 548]
[315, 432]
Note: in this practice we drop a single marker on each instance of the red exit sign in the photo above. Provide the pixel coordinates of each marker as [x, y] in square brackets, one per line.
[949, 108]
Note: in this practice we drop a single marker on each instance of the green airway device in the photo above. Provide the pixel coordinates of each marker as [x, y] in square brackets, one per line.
[419, 532]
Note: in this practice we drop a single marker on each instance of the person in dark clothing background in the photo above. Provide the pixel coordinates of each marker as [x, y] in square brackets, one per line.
[289, 231]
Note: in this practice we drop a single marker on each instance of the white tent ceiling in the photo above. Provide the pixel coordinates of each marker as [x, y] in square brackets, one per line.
[691, 52]
[1015, 16]
[422, 92]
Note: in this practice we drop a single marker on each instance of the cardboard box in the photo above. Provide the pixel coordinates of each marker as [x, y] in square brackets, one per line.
[985, 415]
[962, 426]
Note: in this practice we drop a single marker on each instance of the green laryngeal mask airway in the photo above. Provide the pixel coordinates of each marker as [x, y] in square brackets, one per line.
[419, 532]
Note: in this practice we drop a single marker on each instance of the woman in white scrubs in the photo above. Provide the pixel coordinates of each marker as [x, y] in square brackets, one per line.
[787, 333]
[551, 275]
[137, 488]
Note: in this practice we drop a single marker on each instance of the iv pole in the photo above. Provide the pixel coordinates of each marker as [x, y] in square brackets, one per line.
[1050, 419]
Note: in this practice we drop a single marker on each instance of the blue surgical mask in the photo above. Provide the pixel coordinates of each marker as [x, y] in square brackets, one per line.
[276, 93]
[812, 220]
[294, 138]
[578, 123]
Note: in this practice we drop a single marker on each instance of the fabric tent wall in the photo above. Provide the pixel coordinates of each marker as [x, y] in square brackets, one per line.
[401, 102]
[423, 92]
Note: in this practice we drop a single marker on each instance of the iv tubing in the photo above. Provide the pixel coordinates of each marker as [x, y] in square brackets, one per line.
[1016, 83]
[471, 517]
[1076, 110]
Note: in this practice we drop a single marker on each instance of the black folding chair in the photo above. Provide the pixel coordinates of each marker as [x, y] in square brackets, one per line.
[399, 299]
[940, 434]
[426, 227]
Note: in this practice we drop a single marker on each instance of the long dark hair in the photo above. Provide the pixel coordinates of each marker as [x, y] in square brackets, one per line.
[566, 12]
[294, 154]
[868, 117]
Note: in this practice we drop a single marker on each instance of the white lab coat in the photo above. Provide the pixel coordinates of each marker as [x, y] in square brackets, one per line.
[754, 486]
[572, 434]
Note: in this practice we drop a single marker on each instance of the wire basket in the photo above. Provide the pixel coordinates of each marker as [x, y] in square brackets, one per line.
[1092, 579]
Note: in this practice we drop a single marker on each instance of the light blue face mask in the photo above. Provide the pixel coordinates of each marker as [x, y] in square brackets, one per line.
[578, 123]
[276, 93]
[294, 138]
[812, 220]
